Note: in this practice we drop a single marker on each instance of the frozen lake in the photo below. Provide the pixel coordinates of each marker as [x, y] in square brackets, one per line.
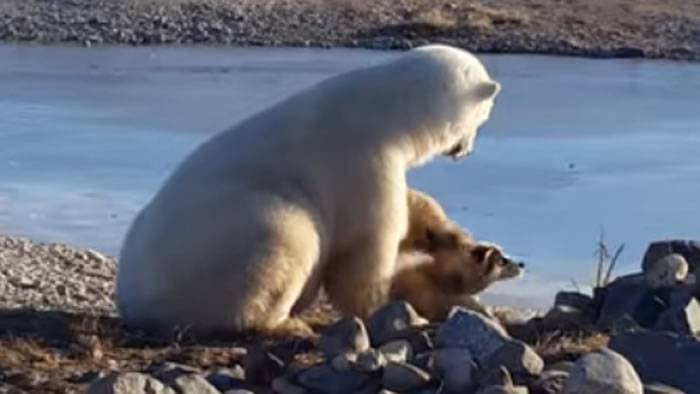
[573, 146]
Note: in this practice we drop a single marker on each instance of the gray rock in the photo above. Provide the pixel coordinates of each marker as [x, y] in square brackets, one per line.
[662, 357]
[658, 388]
[503, 390]
[517, 357]
[371, 360]
[604, 371]
[325, 379]
[239, 391]
[550, 382]
[193, 384]
[343, 362]
[397, 351]
[425, 360]
[129, 383]
[682, 312]
[390, 321]
[473, 331]
[659, 249]
[345, 336]
[456, 368]
[403, 377]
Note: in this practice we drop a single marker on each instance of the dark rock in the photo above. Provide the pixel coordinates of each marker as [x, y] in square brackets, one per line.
[345, 336]
[261, 365]
[682, 312]
[323, 378]
[456, 368]
[604, 371]
[658, 388]
[517, 357]
[629, 297]
[565, 317]
[659, 249]
[283, 386]
[390, 321]
[129, 383]
[471, 330]
[403, 377]
[662, 357]
[564, 366]
[227, 378]
[550, 382]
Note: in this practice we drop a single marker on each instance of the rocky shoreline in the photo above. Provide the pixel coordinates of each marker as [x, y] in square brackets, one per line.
[638, 334]
[615, 28]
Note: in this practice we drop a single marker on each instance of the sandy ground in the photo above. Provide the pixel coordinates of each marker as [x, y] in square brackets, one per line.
[597, 28]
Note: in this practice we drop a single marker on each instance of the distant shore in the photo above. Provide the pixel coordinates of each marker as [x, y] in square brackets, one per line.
[605, 29]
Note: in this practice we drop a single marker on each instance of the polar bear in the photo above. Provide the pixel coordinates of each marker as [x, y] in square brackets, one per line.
[309, 193]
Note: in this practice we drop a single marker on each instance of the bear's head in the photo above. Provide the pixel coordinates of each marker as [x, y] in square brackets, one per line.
[447, 94]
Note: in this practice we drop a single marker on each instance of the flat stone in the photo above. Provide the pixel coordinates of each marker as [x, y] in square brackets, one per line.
[324, 378]
[517, 357]
[604, 371]
[662, 357]
[129, 383]
[471, 330]
[389, 322]
[404, 377]
[345, 336]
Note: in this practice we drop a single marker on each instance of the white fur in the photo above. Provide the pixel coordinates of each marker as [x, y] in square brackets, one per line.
[309, 192]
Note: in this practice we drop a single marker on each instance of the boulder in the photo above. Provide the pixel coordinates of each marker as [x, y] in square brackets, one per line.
[345, 336]
[323, 378]
[517, 357]
[456, 368]
[391, 321]
[681, 314]
[471, 330]
[603, 371]
[658, 388]
[550, 382]
[629, 297]
[397, 351]
[574, 299]
[662, 357]
[193, 384]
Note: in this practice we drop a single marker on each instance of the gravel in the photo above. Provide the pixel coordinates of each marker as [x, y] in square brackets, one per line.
[598, 28]
[55, 276]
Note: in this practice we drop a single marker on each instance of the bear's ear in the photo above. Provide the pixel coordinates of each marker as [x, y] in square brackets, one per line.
[488, 90]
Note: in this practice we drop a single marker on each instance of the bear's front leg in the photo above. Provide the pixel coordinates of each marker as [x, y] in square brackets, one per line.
[357, 282]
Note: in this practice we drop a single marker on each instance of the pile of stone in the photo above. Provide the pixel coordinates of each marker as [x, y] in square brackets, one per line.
[397, 351]
[653, 316]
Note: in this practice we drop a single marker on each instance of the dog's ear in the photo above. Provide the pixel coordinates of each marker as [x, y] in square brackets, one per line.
[438, 240]
[481, 253]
